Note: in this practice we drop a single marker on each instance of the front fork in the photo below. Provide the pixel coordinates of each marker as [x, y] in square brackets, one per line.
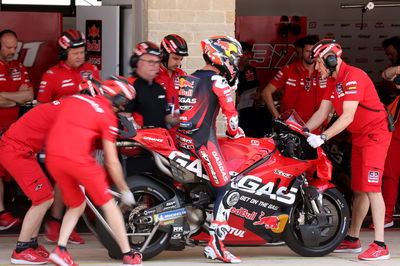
[311, 196]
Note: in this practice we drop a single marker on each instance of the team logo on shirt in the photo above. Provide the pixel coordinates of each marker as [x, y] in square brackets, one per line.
[339, 90]
[184, 92]
[373, 176]
[87, 74]
[15, 73]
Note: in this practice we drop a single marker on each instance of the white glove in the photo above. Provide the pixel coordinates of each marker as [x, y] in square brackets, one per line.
[127, 198]
[315, 140]
[239, 134]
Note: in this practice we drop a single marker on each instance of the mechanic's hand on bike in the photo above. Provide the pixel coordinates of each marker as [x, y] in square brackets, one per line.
[315, 140]
[127, 198]
[239, 134]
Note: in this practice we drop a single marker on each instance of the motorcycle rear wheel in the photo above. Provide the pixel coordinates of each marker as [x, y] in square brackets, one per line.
[144, 189]
[331, 236]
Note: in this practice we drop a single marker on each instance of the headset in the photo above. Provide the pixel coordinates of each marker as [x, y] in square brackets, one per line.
[3, 32]
[331, 62]
[133, 61]
[62, 54]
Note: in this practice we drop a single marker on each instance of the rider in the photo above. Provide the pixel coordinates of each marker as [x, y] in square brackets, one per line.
[200, 98]
[173, 49]
[70, 160]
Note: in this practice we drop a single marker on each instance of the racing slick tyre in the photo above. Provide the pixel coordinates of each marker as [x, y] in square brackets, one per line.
[148, 193]
[331, 234]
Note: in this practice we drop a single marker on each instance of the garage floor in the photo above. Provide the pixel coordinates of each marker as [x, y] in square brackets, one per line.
[92, 253]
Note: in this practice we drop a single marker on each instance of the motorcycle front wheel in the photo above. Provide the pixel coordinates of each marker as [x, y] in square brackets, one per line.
[147, 193]
[331, 235]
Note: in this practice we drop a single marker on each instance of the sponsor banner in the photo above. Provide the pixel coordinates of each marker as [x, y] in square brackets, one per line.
[37, 40]
[94, 42]
[272, 49]
[361, 48]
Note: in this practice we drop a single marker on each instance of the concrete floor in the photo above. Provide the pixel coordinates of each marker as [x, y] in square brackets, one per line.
[92, 253]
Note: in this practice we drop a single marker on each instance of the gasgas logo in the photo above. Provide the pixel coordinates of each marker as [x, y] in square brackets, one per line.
[185, 161]
[254, 185]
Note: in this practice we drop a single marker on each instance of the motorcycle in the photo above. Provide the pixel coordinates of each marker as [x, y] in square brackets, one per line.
[281, 190]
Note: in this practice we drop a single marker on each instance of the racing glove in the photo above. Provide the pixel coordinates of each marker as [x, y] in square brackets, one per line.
[315, 140]
[239, 134]
[127, 198]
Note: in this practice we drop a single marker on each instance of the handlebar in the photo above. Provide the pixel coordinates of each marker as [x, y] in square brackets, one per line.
[290, 145]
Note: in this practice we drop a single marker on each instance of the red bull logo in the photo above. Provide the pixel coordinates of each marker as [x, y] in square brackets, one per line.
[183, 83]
[275, 223]
[184, 92]
[270, 222]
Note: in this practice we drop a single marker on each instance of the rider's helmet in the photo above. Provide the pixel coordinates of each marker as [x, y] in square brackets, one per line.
[118, 90]
[173, 43]
[141, 49]
[70, 39]
[91, 87]
[223, 52]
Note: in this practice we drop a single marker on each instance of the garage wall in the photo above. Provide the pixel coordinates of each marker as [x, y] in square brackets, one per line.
[315, 9]
[194, 20]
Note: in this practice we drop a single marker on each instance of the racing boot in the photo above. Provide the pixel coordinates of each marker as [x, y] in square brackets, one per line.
[215, 248]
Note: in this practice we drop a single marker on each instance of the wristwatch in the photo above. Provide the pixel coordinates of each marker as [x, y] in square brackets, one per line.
[323, 137]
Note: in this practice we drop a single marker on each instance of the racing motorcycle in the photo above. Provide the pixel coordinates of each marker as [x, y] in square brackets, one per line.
[281, 190]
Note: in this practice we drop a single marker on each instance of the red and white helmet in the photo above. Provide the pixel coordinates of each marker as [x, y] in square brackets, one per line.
[71, 39]
[223, 52]
[117, 85]
[174, 43]
[91, 87]
[141, 49]
[325, 46]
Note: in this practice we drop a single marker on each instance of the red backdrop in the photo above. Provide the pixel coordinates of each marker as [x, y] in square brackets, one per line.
[37, 34]
[271, 49]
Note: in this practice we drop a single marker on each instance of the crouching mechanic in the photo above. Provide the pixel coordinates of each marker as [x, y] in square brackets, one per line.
[70, 160]
[354, 97]
[18, 147]
[200, 98]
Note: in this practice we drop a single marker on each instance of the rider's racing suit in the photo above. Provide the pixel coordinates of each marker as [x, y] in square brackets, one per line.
[200, 97]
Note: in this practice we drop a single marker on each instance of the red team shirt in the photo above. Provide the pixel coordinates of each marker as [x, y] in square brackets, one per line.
[82, 121]
[353, 84]
[62, 80]
[31, 129]
[293, 79]
[12, 76]
[370, 134]
[168, 84]
[171, 92]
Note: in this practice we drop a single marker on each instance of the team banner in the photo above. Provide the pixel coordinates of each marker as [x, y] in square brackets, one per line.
[37, 39]
[272, 39]
[361, 47]
[93, 42]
